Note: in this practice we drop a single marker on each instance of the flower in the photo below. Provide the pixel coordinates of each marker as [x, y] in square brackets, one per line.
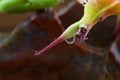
[94, 11]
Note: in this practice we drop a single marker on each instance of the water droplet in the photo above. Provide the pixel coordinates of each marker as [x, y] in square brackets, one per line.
[70, 40]
[83, 2]
[36, 52]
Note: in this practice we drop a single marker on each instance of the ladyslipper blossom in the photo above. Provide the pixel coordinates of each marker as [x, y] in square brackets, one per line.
[94, 11]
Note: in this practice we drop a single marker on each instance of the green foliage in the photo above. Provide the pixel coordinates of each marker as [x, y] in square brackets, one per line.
[19, 6]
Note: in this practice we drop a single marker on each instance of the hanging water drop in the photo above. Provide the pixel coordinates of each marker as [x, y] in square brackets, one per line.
[36, 52]
[70, 40]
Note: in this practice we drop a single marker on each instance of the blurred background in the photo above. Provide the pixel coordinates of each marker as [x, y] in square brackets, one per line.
[21, 35]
